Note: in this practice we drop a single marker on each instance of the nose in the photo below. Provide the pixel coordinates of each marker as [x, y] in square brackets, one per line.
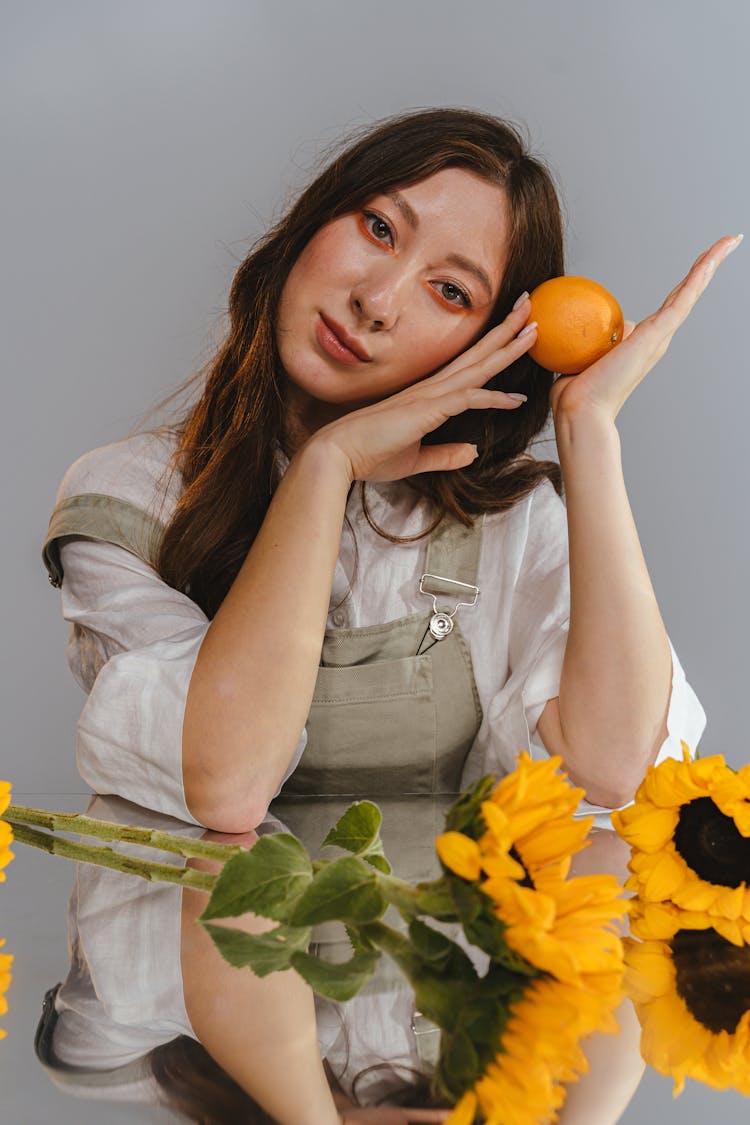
[376, 299]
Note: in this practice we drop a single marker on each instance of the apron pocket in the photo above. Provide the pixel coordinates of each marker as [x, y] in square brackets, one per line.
[371, 730]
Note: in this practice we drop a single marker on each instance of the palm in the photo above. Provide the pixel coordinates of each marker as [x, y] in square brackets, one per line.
[607, 384]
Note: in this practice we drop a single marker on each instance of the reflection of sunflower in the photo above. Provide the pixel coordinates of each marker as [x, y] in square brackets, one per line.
[6, 834]
[6, 855]
[692, 996]
[6, 960]
[562, 926]
[539, 1052]
[689, 832]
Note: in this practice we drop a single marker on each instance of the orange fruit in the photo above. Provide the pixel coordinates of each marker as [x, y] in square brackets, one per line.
[578, 322]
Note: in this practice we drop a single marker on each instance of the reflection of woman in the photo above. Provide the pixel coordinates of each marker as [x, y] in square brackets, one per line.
[150, 1012]
[230, 632]
[148, 996]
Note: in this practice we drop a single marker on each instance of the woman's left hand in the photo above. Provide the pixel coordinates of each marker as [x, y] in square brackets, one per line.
[608, 383]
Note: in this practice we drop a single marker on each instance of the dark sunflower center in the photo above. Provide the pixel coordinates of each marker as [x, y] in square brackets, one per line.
[713, 978]
[527, 881]
[710, 844]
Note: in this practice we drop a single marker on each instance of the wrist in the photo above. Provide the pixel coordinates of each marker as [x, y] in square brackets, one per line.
[324, 457]
[584, 423]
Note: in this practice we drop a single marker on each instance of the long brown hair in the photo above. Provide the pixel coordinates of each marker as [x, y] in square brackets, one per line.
[227, 442]
[193, 1084]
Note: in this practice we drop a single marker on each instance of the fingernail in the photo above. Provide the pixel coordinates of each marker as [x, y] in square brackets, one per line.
[735, 242]
[520, 398]
[525, 331]
[476, 451]
[524, 297]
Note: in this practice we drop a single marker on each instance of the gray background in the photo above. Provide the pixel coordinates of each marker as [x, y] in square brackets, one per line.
[144, 146]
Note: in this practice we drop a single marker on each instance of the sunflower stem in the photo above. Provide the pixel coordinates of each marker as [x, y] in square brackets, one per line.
[105, 857]
[105, 830]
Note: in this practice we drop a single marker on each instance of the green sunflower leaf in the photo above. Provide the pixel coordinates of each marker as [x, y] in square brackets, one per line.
[346, 889]
[265, 953]
[267, 880]
[358, 831]
[430, 944]
[338, 981]
[435, 899]
[465, 815]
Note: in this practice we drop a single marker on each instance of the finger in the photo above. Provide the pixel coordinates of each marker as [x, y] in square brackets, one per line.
[663, 324]
[441, 458]
[477, 373]
[703, 269]
[627, 328]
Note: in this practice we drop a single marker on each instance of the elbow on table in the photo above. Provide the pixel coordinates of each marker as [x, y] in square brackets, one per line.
[223, 807]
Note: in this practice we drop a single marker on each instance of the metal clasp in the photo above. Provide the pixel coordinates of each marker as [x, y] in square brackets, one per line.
[441, 622]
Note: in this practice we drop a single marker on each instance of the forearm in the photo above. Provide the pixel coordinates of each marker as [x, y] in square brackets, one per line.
[254, 677]
[617, 670]
[262, 1032]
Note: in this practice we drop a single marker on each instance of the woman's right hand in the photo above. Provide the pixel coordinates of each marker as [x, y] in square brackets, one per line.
[382, 441]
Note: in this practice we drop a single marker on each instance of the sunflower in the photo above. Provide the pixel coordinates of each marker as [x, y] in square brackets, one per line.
[6, 833]
[521, 861]
[6, 855]
[538, 1053]
[692, 997]
[689, 833]
[6, 960]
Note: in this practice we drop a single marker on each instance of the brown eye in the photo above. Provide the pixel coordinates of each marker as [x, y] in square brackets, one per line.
[377, 227]
[453, 294]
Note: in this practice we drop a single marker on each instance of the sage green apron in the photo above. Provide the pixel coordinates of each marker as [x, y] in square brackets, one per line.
[395, 709]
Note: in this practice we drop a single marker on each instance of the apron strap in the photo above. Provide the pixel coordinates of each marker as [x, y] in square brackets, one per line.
[453, 550]
[105, 518]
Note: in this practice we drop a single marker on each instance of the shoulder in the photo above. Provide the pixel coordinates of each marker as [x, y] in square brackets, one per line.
[137, 469]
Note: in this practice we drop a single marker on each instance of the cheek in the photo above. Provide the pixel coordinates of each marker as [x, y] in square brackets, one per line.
[435, 347]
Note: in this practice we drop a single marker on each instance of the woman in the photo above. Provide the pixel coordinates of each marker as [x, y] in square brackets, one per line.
[385, 309]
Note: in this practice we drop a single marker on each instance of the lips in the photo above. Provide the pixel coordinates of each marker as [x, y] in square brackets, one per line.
[344, 340]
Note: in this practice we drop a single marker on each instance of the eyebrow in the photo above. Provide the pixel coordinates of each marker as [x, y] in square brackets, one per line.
[459, 260]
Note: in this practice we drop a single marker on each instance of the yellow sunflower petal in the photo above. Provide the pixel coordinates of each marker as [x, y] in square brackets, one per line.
[648, 827]
[661, 876]
[460, 854]
[6, 960]
[554, 840]
[464, 1111]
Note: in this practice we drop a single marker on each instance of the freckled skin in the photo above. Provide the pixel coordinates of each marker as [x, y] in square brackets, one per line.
[391, 288]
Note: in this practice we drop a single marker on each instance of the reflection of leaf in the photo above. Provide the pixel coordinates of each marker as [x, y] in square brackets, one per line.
[430, 944]
[339, 980]
[358, 831]
[264, 953]
[267, 880]
[459, 1065]
[345, 889]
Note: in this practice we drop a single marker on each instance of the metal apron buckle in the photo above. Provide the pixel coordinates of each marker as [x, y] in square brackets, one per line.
[441, 622]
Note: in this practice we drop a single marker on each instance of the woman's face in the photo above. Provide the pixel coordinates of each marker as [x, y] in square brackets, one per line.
[383, 296]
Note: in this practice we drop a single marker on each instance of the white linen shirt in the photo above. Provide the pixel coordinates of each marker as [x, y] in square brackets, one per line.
[134, 640]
